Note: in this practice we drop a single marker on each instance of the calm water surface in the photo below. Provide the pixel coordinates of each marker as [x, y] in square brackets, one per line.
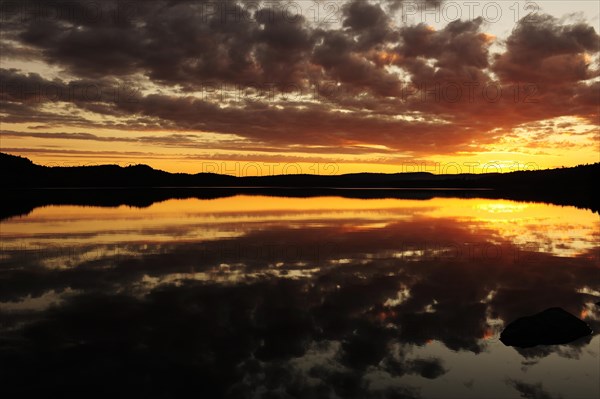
[328, 297]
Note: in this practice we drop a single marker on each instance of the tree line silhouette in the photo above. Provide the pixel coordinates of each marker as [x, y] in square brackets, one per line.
[30, 185]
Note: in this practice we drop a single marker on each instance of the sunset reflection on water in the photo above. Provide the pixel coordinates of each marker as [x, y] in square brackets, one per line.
[315, 297]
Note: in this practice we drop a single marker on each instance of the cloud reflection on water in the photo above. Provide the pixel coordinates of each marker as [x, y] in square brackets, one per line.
[295, 297]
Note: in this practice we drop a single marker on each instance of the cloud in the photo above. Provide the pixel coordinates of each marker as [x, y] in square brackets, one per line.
[539, 49]
[530, 391]
[283, 81]
[459, 45]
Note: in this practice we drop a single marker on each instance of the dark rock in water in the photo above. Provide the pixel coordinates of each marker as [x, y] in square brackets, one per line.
[553, 326]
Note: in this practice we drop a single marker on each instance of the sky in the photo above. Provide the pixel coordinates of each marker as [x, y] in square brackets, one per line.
[329, 87]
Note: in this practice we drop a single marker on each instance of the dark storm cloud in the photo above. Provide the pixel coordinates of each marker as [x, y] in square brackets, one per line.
[31, 88]
[540, 49]
[282, 47]
[460, 50]
[342, 63]
[370, 22]
[173, 42]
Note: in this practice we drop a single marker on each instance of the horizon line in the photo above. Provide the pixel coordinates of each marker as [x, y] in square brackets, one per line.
[298, 174]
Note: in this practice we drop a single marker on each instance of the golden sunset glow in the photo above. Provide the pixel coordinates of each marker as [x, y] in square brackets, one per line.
[537, 227]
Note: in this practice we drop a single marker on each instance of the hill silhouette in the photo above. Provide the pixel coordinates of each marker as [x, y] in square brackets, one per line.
[30, 185]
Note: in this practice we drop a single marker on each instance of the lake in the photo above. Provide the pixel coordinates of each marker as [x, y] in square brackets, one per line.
[254, 296]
